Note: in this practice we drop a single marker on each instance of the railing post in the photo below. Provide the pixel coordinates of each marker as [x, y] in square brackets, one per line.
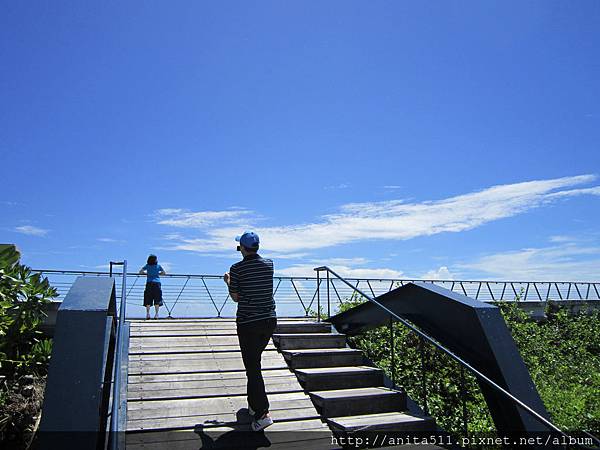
[423, 375]
[392, 349]
[116, 395]
[463, 394]
[318, 297]
[328, 307]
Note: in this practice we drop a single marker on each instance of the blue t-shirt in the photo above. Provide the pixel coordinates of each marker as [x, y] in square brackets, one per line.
[152, 271]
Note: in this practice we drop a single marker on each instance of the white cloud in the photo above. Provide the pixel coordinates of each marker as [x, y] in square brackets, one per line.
[341, 261]
[442, 273]
[276, 255]
[307, 270]
[110, 240]
[562, 238]
[167, 266]
[567, 262]
[31, 230]
[392, 186]
[338, 186]
[392, 220]
[201, 219]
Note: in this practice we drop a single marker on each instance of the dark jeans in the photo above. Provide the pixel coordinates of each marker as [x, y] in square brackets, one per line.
[253, 338]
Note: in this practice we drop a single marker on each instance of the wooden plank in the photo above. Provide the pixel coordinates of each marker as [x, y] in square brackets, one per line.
[214, 383]
[183, 332]
[196, 356]
[207, 320]
[200, 364]
[201, 339]
[208, 365]
[180, 392]
[279, 435]
[232, 418]
[175, 340]
[195, 341]
[184, 435]
[379, 419]
[189, 349]
[202, 325]
[199, 376]
[199, 357]
[212, 407]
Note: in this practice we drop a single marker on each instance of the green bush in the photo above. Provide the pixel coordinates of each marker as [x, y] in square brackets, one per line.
[561, 353]
[23, 295]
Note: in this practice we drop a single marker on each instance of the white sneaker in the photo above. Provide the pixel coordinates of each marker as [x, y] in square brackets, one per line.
[261, 424]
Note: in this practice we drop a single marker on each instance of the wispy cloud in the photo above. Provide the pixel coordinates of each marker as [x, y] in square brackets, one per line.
[391, 220]
[110, 240]
[307, 270]
[183, 218]
[338, 186]
[392, 186]
[31, 230]
[342, 261]
[167, 266]
[564, 262]
[561, 238]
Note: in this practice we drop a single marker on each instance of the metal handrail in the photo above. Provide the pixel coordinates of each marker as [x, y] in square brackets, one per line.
[116, 394]
[486, 290]
[405, 280]
[195, 294]
[462, 362]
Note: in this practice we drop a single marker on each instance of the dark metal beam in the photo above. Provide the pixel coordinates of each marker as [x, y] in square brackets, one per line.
[474, 331]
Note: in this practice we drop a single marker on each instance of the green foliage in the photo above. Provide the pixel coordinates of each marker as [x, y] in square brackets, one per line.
[23, 295]
[562, 355]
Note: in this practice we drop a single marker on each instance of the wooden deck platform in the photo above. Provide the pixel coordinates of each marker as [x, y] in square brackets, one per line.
[187, 390]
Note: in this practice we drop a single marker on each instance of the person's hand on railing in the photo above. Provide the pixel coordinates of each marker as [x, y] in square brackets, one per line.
[226, 278]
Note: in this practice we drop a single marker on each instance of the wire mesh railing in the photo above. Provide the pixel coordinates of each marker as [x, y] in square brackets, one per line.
[195, 295]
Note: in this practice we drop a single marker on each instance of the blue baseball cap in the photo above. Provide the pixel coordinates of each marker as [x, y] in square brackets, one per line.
[249, 239]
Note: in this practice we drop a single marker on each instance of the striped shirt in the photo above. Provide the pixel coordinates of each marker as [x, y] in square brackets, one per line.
[252, 279]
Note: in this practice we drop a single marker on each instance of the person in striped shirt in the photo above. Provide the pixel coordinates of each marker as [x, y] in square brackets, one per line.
[250, 283]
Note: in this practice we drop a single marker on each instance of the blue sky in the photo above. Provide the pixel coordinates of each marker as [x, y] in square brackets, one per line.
[386, 139]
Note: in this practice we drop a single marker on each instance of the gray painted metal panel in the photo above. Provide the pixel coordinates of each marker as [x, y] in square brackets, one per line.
[75, 393]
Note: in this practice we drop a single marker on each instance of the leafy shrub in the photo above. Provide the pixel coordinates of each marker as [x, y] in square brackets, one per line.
[23, 295]
[562, 354]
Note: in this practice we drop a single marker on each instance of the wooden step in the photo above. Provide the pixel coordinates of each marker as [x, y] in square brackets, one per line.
[323, 378]
[323, 357]
[346, 402]
[303, 327]
[390, 421]
[288, 341]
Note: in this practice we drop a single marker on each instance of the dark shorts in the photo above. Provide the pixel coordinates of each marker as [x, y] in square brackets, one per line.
[153, 294]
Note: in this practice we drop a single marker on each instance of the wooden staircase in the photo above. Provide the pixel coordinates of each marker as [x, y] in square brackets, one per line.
[348, 394]
[186, 388]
